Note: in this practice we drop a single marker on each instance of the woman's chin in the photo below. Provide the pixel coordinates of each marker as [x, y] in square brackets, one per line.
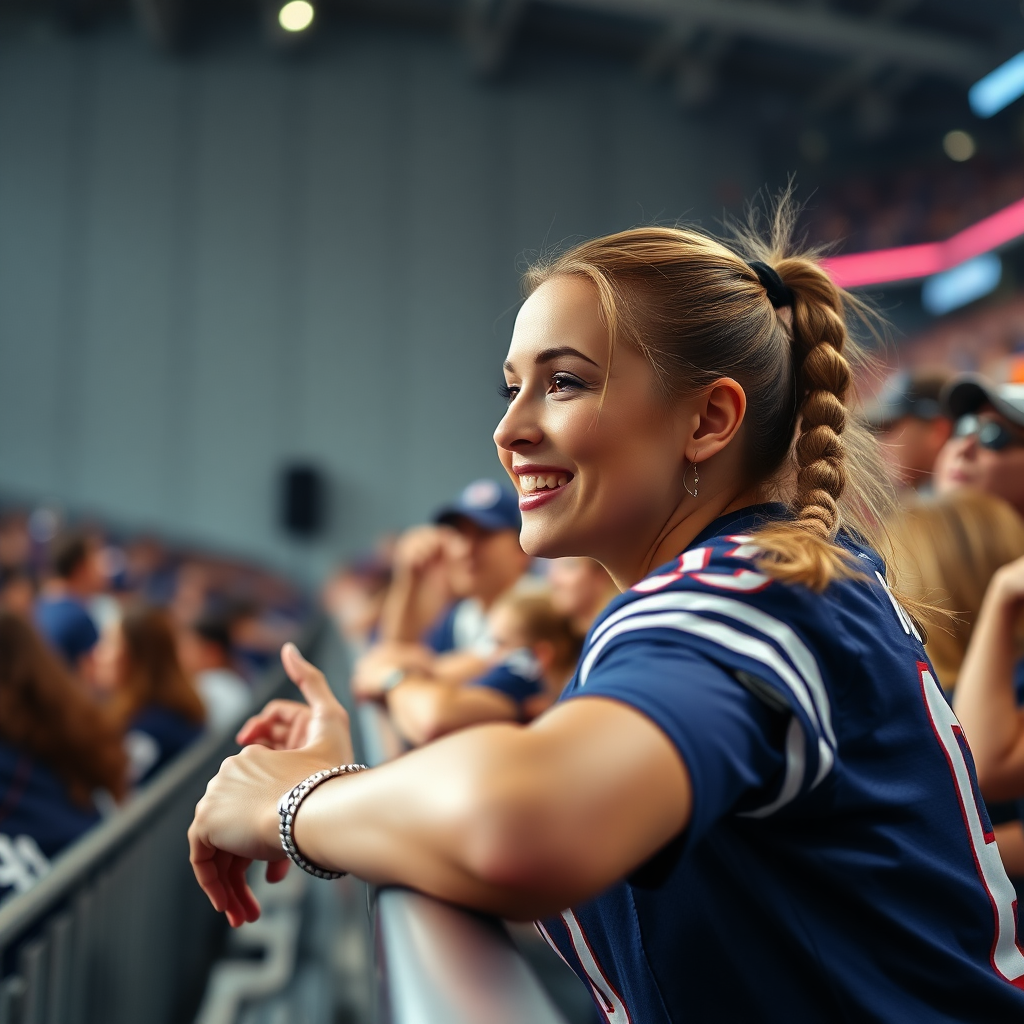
[541, 541]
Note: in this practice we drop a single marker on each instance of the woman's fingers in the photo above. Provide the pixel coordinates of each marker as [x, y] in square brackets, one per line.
[277, 869]
[308, 678]
[272, 726]
[207, 872]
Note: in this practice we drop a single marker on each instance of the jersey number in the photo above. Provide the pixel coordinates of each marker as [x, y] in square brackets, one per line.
[1006, 957]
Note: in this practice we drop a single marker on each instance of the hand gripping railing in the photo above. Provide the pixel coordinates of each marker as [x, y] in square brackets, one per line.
[439, 964]
[118, 932]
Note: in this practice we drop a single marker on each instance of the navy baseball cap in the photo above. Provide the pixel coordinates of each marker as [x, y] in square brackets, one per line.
[486, 503]
[969, 392]
[905, 394]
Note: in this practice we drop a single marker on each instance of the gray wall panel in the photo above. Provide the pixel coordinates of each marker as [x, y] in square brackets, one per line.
[213, 265]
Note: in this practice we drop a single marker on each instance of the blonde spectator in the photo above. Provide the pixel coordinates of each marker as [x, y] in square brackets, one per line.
[580, 589]
[949, 549]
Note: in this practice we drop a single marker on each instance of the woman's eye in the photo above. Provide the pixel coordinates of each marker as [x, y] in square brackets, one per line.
[508, 392]
[567, 382]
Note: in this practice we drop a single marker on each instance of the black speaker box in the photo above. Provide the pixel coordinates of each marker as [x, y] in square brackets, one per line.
[304, 500]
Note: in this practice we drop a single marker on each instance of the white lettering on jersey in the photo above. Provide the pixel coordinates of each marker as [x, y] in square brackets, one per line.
[689, 561]
[22, 863]
[608, 1000]
[1006, 957]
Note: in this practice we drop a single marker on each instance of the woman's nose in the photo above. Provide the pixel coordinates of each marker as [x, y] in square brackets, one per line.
[518, 428]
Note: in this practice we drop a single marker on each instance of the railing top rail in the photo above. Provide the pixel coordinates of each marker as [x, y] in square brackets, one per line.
[99, 844]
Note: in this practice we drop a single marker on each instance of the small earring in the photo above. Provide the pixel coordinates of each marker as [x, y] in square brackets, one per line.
[696, 480]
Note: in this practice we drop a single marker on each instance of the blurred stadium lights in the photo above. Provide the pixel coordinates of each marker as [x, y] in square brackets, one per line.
[296, 15]
[999, 88]
[963, 284]
[913, 262]
[959, 145]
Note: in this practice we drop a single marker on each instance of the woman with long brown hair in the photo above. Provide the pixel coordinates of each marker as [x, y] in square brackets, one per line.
[152, 696]
[57, 751]
[752, 802]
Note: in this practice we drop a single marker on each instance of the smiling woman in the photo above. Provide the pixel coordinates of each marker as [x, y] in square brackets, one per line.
[751, 801]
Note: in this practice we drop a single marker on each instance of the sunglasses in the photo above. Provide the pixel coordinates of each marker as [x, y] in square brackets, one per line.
[990, 434]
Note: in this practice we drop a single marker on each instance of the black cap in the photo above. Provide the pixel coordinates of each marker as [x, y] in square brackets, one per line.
[907, 394]
[968, 393]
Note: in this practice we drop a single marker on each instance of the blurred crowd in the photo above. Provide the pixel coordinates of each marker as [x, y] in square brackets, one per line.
[454, 625]
[913, 204]
[114, 658]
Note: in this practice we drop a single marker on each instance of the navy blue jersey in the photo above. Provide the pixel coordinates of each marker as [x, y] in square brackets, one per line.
[67, 626]
[518, 676]
[37, 820]
[156, 736]
[839, 864]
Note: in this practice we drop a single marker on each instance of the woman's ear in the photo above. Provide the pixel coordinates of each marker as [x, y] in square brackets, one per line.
[720, 411]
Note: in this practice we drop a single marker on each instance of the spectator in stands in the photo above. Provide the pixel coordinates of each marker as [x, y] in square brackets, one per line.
[62, 612]
[986, 450]
[152, 695]
[910, 422]
[421, 588]
[206, 653]
[580, 589]
[354, 597]
[17, 591]
[535, 654]
[948, 550]
[485, 562]
[987, 701]
[57, 749]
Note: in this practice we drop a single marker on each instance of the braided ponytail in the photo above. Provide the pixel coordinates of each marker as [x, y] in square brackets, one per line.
[803, 551]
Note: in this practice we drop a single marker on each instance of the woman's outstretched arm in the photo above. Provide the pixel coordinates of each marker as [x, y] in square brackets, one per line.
[984, 698]
[519, 821]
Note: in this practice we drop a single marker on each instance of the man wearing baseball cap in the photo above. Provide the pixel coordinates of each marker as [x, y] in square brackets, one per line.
[912, 425]
[477, 535]
[986, 451]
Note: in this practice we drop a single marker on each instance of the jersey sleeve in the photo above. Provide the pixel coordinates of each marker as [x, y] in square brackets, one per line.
[517, 676]
[709, 650]
[731, 741]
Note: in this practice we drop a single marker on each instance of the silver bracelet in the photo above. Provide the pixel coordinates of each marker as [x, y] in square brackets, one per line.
[288, 807]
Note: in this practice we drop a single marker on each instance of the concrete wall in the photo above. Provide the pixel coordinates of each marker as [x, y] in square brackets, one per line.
[211, 265]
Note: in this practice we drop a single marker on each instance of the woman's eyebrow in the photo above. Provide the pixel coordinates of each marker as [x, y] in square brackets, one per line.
[555, 353]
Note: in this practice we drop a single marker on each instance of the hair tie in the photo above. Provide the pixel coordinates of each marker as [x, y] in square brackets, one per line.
[779, 294]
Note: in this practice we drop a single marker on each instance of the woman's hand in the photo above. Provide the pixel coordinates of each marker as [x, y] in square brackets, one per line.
[236, 822]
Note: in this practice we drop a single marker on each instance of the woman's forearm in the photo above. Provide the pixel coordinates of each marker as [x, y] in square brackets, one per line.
[492, 817]
[984, 698]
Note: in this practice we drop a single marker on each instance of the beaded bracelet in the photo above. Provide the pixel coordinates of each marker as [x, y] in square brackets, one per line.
[288, 807]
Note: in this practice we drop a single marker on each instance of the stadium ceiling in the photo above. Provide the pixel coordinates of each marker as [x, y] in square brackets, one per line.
[867, 69]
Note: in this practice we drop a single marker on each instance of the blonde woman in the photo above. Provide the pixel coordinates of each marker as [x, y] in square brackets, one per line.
[948, 550]
[750, 804]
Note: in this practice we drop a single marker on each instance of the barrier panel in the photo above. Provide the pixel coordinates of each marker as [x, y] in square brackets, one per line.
[118, 932]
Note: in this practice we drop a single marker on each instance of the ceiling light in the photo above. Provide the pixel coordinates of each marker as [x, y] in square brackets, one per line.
[998, 88]
[296, 16]
[959, 145]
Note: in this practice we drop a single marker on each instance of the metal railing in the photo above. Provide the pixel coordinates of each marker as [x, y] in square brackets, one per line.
[440, 964]
[118, 932]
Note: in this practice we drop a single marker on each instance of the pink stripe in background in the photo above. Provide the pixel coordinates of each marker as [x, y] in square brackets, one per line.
[910, 262]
